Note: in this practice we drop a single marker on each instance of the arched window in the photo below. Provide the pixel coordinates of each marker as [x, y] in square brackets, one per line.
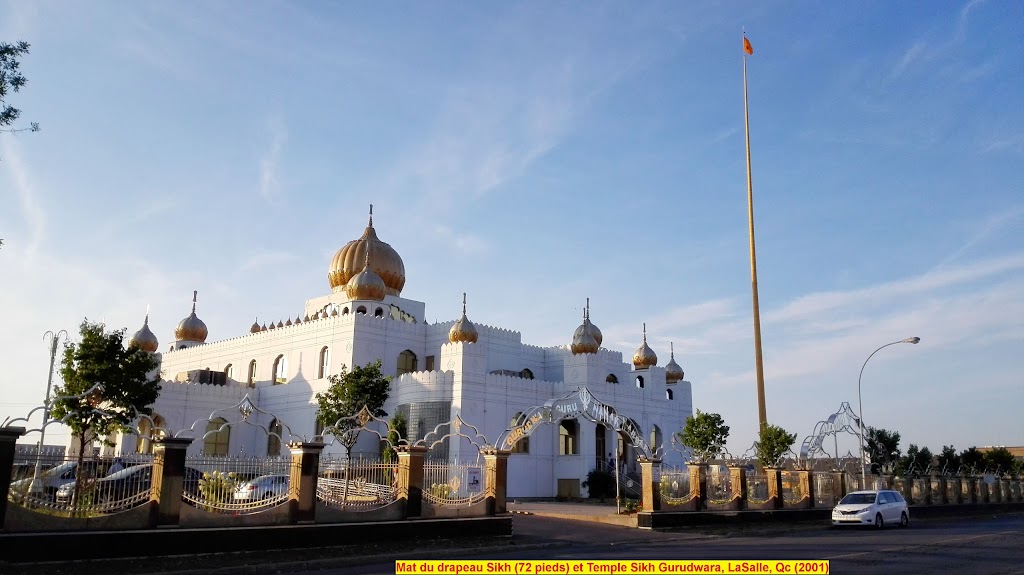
[526, 373]
[318, 427]
[669, 395]
[639, 382]
[280, 370]
[568, 434]
[361, 309]
[229, 371]
[523, 445]
[274, 439]
[344, 311]
[325, 362]
[611, 378]
[217, 440]
[379, 312]
[655, 438]
[251, 379]
[406, 363]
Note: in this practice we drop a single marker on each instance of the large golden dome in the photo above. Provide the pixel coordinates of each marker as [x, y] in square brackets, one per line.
[384, 261]
[673, 371]
[463, 330]
[191, 328]
[644, 356]
[144, 339]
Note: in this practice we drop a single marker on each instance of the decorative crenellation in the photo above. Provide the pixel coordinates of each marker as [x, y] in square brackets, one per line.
[499, 379]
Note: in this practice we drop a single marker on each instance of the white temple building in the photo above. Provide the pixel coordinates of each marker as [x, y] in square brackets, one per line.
[485, 374]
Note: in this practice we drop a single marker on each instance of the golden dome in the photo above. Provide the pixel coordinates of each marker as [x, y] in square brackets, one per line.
[463, 330]
[144, 339]
[384, 261]
[581, 338]
[264, 327]
[289, 322]
[191, 328]
[365, 285]
[644, 356]
[673, 372]
[255, 326]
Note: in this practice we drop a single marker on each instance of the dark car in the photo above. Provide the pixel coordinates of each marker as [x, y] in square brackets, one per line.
[128, 487]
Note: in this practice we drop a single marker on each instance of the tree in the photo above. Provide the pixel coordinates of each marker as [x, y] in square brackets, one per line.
[397, 431]
[972, 459]
[106, 387]
[347, 394]
[705, 434]
[949, 461]
[883, 448]
[917, 461]
[773, 442]
[999, 460]
[11, 80]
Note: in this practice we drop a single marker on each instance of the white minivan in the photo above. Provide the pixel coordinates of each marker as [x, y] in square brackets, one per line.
[875, 508]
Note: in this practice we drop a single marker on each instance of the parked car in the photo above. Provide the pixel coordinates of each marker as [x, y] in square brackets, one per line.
[261, 488]
[874, 508]
[51, 480]
[126, 484]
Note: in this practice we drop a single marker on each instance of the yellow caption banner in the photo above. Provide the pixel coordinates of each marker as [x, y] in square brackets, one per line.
[542, 567]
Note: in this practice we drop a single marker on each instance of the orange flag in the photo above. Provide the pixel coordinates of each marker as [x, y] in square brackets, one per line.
[747, 47]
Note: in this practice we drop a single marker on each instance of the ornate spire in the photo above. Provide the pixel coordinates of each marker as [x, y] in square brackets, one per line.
[463, 330]
[644, 356]
[673, 371]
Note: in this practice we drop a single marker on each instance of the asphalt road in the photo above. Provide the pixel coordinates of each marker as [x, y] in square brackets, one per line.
[974, 546]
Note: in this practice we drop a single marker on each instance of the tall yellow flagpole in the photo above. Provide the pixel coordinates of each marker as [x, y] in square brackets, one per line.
[761, 412]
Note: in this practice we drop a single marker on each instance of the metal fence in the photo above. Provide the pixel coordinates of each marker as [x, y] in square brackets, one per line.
[453, 483]
[791, 491]
[58, 484]
[675, 485]
[236, 485]
[825, 492]
[719, 484]
[757, 488]
[357, 484]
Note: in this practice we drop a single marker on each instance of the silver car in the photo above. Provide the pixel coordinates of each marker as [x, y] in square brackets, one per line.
[262, 488]
[874, 508]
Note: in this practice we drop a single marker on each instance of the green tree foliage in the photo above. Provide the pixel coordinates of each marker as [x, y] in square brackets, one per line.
[772, 443]
[949, 461]
[120, 378]
[12, 80]
[398, 429]
[972, 460]
[883, 448]
[917, 460]
[347, 394]
[999, 460]
[705, 434]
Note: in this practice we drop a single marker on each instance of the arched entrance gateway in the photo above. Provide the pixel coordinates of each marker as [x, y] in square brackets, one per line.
[565, 413]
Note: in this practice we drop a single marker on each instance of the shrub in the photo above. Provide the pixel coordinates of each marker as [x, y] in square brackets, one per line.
[600, 484]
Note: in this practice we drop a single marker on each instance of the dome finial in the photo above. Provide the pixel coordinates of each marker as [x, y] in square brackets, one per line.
[195, 294]
[671, 350]
[463, 303]
[371, 215]
[645, 332]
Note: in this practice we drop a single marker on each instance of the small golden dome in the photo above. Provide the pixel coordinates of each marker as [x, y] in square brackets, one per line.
[298, 319]
[644, 356]
[463, 330]
[279, 324]
[264, 327]
[144, 339]
[673, 372]
[191, 328]
[307, 317]
[365, 285]
[585, 333]
[289, 322]
[384, 262]
[255, 326]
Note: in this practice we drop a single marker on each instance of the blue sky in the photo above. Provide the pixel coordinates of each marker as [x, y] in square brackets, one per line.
[536, 154]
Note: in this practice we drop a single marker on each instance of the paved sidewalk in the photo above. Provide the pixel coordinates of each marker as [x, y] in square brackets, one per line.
[595, 512]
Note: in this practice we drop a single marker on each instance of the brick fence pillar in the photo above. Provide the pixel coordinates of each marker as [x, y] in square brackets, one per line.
[302, 478]
[168, 480]
[410, 478]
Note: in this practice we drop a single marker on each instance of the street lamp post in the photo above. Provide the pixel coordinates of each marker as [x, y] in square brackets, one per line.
[54, 338]
[860, 402]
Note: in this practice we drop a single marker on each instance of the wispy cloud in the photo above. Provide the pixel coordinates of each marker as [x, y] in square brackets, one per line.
[910, 56]
[270, 185]
[263, 259]
[468, 244]
[991, 226]
[28, 199]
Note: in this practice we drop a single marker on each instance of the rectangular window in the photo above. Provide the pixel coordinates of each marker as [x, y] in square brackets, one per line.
[430, 363]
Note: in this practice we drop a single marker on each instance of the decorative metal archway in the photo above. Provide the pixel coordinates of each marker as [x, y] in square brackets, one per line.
[843, 420]
[579, 403]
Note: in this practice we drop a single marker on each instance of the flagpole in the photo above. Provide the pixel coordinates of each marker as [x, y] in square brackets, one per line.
[761, 412]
